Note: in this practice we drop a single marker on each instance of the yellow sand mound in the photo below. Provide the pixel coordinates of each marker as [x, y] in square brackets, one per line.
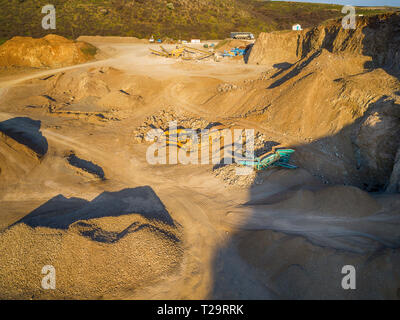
[50, 51]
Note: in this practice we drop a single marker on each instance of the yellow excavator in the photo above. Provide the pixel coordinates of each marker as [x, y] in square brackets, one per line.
[186, 138]
[184, 52]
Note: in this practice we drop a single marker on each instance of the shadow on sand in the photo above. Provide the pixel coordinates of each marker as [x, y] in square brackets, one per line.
[60, 212]
[27, 132]
[86, 165]
[300, 254]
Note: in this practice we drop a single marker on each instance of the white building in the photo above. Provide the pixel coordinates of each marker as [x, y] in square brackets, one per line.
[195, 41]
[297, 27]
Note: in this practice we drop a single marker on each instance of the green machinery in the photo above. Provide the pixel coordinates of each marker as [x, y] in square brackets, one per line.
[278, 158]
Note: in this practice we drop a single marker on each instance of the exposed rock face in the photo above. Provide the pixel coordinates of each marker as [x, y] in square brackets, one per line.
[51, 51]
[340, 88]
[276, 47]
[394, 183]
[377, 37]
[377, 140]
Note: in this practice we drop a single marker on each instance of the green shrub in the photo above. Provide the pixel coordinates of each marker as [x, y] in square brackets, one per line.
[89, 50]
[171, 18]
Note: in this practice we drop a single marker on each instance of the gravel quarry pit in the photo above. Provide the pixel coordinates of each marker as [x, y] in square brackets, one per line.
[77, 192]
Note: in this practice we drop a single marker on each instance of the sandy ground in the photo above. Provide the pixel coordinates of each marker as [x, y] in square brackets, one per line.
[135, 59]
[127, 229]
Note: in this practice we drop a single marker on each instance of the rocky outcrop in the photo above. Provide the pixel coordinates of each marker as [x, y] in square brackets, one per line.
[376, 36]
[377, 140]
[394, 183]
[339, 88]
[276, 47]
[51, 51]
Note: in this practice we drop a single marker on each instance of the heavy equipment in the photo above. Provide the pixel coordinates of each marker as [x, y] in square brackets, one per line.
[234, 52]
[184, 52]
[186, 138]
[280, 158]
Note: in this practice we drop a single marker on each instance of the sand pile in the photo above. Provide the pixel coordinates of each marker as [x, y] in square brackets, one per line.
[239, 176]
[353, 202]
[295, 233]
[294, 268]
[163, 119]
[119, 241]
[357, 222]
[50, 51]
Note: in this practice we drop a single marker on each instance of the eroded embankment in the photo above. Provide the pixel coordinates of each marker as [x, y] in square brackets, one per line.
[337, 90]
[375, 36]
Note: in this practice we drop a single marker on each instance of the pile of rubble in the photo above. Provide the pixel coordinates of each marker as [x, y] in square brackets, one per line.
[235, 175]
[226, 87]
[163, 119]
[232, 174]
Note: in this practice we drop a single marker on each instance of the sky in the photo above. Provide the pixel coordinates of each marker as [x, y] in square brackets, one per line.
[393, 3]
